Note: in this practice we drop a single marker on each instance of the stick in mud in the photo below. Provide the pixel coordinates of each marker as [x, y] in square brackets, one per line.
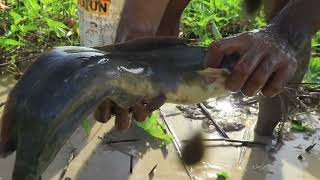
[209, 116]
[175, 141]
[244, 143]
[308, 149]
[122, 141]
[153, 169]
[71, 158]
[131, 164]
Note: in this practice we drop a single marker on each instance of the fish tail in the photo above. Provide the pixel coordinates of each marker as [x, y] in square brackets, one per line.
[7, 132]
[26, 166]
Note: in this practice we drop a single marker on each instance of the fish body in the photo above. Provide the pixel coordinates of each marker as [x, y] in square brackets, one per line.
[64, 85]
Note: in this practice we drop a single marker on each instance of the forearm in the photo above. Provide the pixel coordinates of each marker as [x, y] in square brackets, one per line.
[140, 18]
[297, 23]
[170, 21]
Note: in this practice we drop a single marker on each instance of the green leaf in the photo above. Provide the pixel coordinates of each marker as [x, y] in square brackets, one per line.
[26, 28]
[55, 24]
[205, 21]
[298, 126]
[10, 42]
[33, 4]
[86, 125]
[155, 128]
[314, 70]
[222, 175]
[17, 18]
[13, 28]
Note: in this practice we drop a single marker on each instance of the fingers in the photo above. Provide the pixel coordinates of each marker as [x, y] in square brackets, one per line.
[156, 103]
[278, 80]
[106, 108]
[244, 68]
[142, 110]
[123, 119]
[262, 65]
[259, 77]
[228, 46]
[103, 112]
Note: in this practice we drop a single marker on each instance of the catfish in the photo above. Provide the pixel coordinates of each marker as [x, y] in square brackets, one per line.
[64, 85]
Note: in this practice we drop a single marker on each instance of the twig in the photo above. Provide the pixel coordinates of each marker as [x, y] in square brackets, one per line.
[310, 147]
[9, 63]
[71, 158]
[246, 136]
[154, 168]
[294, 83]
[122, 141]
[209, 116]
[175, 138]
[247, 103]
[176, 142]
[300, 104]
[230, 145]
[131, 164]
[235, 141]
[173, 114]
[306, 112]
[285, 118]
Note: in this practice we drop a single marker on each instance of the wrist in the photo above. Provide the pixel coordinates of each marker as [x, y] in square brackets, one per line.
[293, 39]
[271, 35]
[296, 23]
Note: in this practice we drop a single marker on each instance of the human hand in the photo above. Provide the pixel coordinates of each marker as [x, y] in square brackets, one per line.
[139, 111]
[266, 63]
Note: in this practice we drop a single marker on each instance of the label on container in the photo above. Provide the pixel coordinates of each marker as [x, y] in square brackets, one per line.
[98, 21]
[99, 7]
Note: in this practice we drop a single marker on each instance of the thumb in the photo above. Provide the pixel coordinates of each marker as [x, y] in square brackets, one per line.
[232, 47]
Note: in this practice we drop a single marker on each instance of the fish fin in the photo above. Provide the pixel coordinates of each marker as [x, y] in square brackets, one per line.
[144, 44]
[212, 74]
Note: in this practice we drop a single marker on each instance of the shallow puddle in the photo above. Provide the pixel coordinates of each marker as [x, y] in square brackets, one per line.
[100, 161]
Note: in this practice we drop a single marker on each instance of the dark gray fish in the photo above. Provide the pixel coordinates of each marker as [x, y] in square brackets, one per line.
[64, 85]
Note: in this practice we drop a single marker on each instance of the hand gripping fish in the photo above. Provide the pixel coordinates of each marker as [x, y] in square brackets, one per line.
[64, 85]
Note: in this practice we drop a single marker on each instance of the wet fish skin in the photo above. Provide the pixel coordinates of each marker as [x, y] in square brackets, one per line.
[65, 85]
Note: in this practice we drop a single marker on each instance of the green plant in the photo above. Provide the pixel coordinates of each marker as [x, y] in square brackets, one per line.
[313, 75]
[155, 128]
[35, 23]
[202, 16]
[86, 124]
[222, 175]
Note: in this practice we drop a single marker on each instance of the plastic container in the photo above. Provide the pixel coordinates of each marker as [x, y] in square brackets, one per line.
[98, 21]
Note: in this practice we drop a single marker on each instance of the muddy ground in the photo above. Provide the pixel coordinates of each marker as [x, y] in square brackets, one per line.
[90, 157]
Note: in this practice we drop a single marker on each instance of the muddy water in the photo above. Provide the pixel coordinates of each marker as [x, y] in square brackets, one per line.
[250, 163]
[94, 160]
